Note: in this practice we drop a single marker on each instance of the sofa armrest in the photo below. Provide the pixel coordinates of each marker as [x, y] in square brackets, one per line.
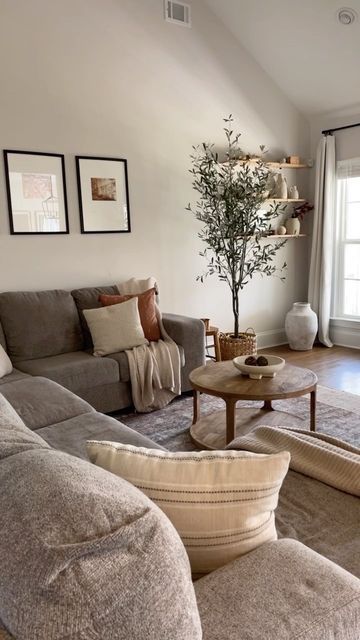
[280, 590]
[189, 333]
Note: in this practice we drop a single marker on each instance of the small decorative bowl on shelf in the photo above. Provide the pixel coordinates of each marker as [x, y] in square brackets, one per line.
[264, 366]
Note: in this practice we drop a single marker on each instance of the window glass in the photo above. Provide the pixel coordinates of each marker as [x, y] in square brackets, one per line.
[353, 190]
[346, 276]
[352, 261]
[352, 221]
[352, 297]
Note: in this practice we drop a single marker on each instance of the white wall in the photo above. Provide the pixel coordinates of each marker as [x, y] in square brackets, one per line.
[112, 78]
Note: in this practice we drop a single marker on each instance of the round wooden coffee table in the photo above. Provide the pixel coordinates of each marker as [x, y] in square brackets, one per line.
[223, 380]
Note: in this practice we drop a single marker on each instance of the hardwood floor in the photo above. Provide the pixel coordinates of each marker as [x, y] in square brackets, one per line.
[338, 367]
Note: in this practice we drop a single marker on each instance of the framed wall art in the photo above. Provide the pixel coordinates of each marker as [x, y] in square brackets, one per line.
[36, 192]
[103, 195]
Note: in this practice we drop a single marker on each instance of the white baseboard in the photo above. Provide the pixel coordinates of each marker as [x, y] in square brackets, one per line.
[271, 338]
[344, 336]
[341, 333]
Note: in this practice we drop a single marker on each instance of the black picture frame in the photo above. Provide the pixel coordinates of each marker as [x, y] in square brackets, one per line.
[36, 192]
[103, 191]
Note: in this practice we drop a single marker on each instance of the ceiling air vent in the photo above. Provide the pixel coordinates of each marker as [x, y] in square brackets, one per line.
[178, 12]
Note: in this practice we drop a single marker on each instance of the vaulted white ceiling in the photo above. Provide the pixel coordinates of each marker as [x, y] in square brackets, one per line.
[301, 45]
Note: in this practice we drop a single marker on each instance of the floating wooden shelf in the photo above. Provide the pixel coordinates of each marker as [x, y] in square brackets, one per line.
[285, 236]
[286, 165]
[273, 235]
[285, 200]
[272, 165]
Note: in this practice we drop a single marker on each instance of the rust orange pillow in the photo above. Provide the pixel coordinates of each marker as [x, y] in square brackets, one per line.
[147, 311]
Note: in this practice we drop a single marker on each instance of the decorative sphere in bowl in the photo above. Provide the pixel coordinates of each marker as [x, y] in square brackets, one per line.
[258, 371]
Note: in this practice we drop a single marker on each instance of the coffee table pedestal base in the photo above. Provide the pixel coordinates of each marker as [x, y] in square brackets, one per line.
[209, 432]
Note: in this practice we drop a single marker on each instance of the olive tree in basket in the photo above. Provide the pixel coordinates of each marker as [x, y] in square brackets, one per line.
[230, 206]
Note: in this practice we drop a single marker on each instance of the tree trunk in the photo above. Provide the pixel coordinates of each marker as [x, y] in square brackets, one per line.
[235, 307]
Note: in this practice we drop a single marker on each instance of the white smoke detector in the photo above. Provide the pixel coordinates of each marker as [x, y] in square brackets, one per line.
[346, 16]
[177, 12]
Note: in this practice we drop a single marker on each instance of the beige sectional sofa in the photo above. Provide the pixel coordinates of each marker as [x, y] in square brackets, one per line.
[85, 555]
[45, 334]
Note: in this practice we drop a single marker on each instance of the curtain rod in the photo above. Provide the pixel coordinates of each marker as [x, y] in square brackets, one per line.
[327, 132]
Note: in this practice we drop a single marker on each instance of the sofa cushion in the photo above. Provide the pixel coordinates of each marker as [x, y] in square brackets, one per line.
[147, 311]
[71, 435]
[14, 376]
[332, 530]
[41, 402]
[281, 590]
[83, 554]
[108, 397]
[5, 363]
[15, 437]
[39, 324]
[75, 371]
[221, 503]
[88, 298]
[123, 363]
[115, 328]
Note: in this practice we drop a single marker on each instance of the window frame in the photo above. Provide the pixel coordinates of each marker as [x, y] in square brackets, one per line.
[340, 243]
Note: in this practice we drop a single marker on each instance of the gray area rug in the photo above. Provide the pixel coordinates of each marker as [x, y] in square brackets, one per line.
[338, 415]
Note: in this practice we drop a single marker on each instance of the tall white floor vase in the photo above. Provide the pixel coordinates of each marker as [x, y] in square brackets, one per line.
[301, 325]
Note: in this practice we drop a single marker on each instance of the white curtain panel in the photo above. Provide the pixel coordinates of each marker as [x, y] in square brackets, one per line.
[320, 276]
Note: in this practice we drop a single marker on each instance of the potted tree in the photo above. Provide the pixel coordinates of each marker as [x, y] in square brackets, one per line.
[230, 206]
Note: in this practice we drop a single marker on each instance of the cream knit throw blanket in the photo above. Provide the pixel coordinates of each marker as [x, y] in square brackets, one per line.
[317, 455]
[154, 368]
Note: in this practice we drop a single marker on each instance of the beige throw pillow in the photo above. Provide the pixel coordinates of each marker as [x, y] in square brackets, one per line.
[115, 328]
[5, 363]
[221, 502]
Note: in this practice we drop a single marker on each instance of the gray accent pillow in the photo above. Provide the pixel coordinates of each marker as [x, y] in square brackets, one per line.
[88, 298]
[38, 324]
[83, 554]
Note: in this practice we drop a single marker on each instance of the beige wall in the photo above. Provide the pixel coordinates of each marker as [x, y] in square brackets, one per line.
[347, 141]
[112, 78]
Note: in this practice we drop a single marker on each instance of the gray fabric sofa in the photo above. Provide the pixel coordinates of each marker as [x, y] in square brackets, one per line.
[54, 504]
[45, 334]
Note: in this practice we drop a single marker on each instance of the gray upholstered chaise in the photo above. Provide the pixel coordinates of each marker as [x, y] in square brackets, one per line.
[280, 591]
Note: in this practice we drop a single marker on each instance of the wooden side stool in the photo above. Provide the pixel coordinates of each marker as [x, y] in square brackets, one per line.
[214, 333]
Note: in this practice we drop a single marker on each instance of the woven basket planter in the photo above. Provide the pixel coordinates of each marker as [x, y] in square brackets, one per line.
[244, 345]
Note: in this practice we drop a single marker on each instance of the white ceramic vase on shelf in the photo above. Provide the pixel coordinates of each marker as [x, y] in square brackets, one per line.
[292, 226]
[293, 193]
[301, 325]
[281, 187]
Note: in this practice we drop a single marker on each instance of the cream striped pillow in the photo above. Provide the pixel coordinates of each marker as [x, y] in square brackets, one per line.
[221, 502]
